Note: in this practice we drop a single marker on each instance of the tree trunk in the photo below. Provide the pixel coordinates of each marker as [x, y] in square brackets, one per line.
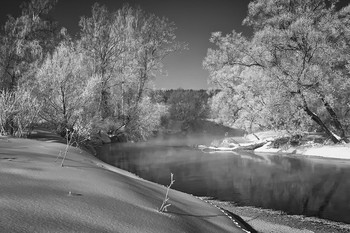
[103, 105]
[104, 111]
[315, 118]
[64, 108]
[12, 89]
[143, 79]
[123, 112]
[335, 120]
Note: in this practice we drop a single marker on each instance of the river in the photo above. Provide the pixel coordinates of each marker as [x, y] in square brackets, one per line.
[293, 184]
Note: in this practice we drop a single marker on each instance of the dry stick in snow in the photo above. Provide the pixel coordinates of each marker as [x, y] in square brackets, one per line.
[69, 143]
[67, 147]
[165, 204]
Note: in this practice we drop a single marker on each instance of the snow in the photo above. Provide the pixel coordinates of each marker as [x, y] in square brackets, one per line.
[330, 151]
[87, 195]
[335, 151]
[341, 151]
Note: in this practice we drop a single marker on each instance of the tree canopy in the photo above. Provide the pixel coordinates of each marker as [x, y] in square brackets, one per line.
[293, 73]
[96, 82]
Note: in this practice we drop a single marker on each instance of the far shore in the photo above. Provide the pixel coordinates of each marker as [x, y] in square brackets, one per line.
[341, 151]
[262, 142]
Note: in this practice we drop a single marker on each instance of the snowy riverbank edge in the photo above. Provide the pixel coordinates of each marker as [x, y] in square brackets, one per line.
[341, 151]
[262, 142]
[87, 195]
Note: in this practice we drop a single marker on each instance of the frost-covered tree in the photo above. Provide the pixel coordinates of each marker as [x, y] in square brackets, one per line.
[292, 69]
[106, 41]
[19, 111]
[61, 82]
[23, 41]
[125, 50]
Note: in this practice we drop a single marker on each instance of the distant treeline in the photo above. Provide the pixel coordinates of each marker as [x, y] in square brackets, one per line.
[184, 105]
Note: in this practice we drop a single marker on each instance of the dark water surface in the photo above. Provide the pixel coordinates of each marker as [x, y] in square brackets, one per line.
[296, 185]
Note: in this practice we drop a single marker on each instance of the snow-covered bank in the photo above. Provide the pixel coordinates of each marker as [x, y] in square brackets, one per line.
[326, 151]
[339, 151]
[271, 221]
[87, 195]
[263, 142]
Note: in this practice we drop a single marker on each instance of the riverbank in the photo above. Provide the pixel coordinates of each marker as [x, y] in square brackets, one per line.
[314, 145]
[341, 151]
[270, 221]
[87, 195]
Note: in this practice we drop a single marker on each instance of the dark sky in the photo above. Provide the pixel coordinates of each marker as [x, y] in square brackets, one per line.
[195, 20]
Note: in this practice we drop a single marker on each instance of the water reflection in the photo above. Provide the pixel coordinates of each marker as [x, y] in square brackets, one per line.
[312, 187]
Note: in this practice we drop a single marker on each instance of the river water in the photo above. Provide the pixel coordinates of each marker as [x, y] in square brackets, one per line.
[293, 184]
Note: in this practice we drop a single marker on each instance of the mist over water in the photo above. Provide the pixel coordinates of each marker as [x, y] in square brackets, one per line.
[306, 186]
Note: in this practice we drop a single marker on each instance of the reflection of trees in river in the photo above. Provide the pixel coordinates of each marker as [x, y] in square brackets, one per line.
[287, 184]
[330, 194]
[294, 185]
